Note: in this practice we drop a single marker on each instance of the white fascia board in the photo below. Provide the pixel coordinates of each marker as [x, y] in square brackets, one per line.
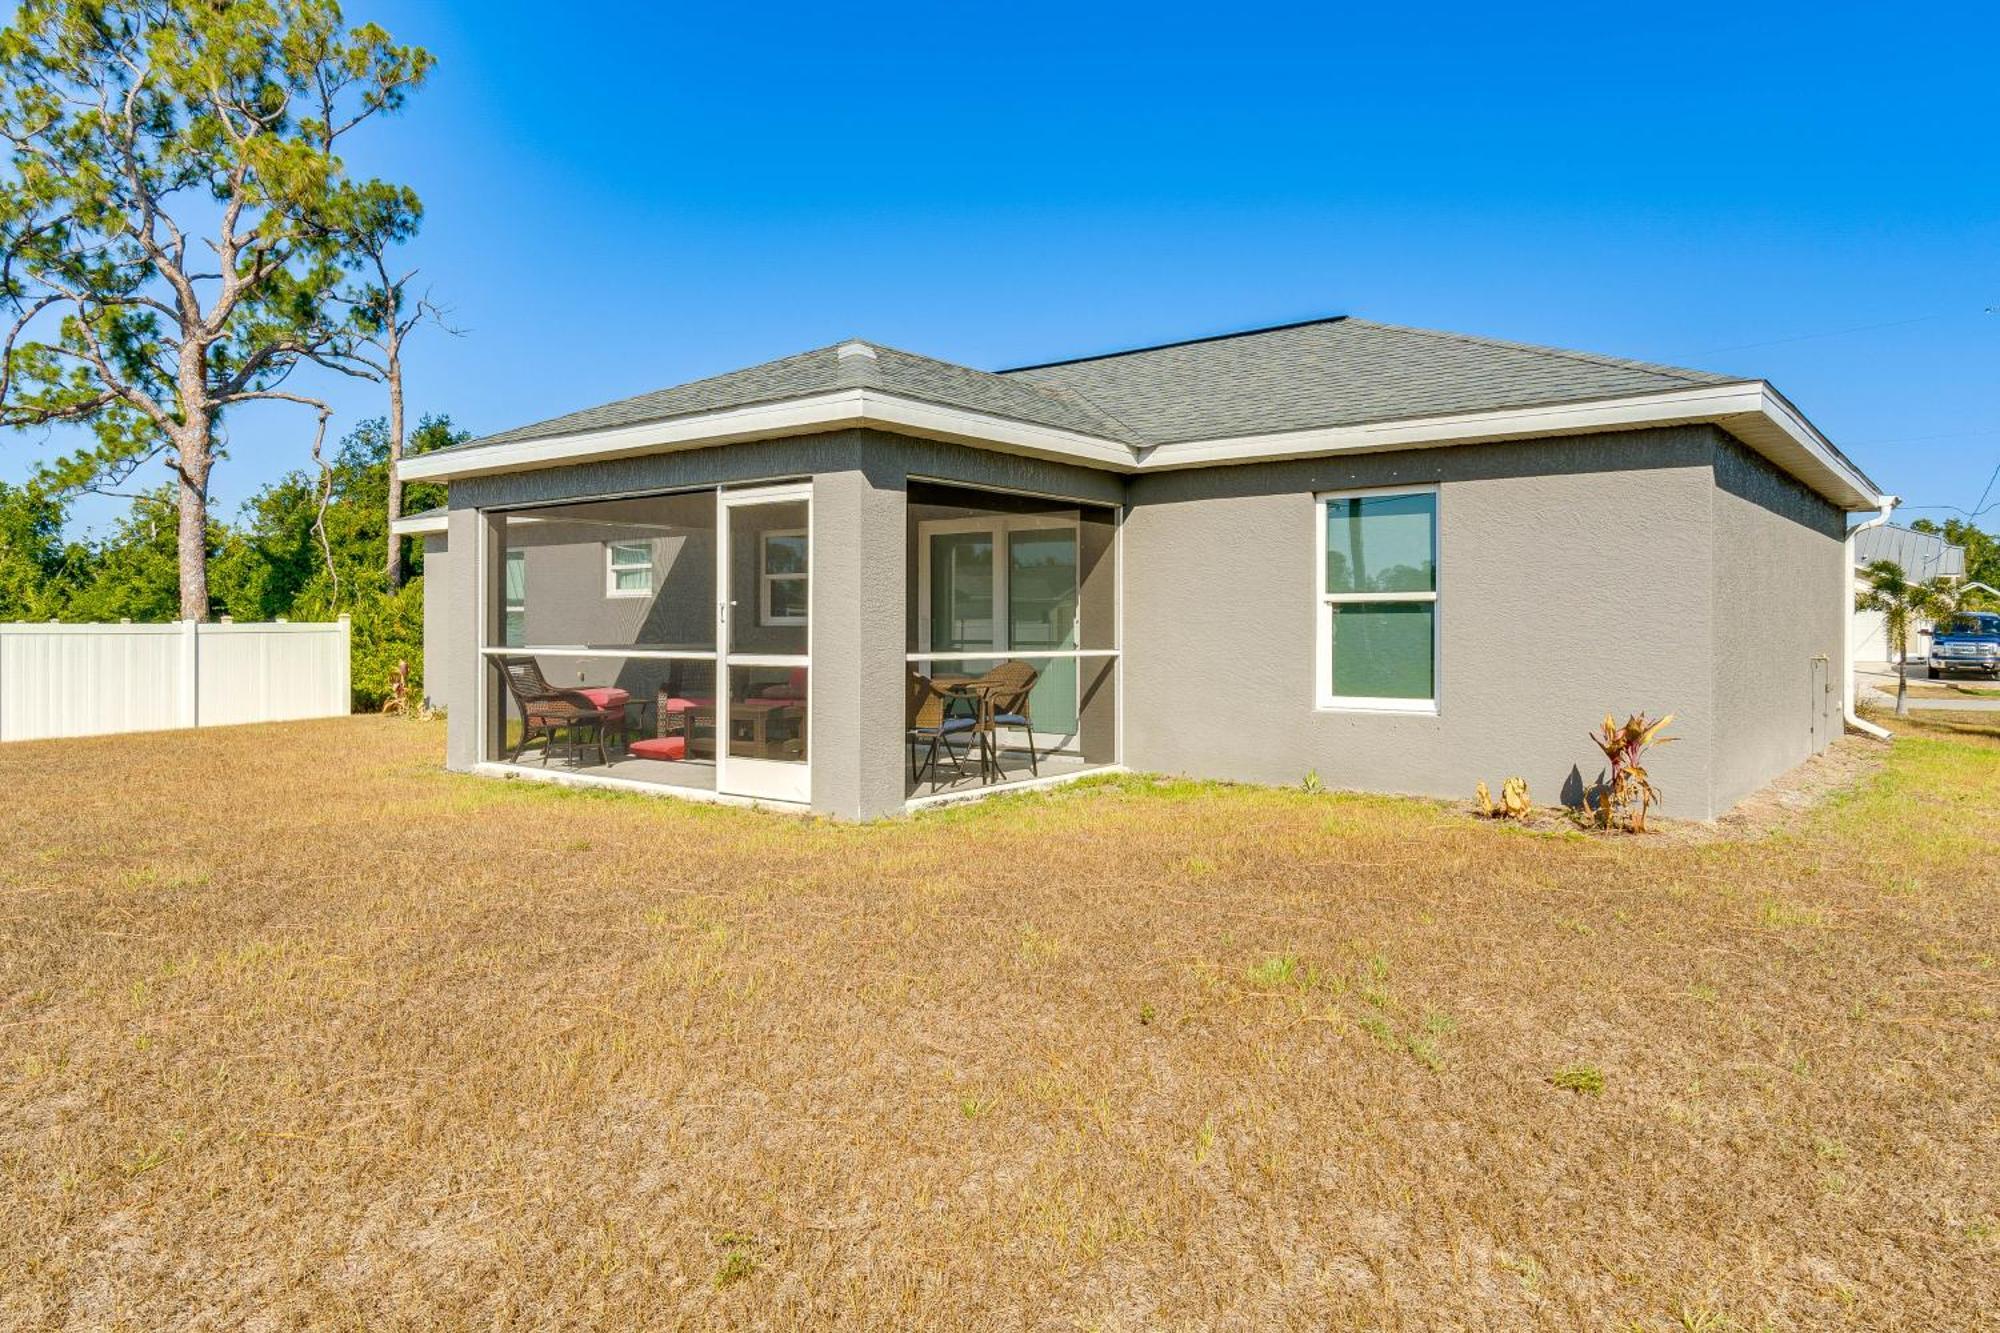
[418, 525]
[915, 417]
[1778, 410]
[827, 411]
[840, 410]
[1751, 410]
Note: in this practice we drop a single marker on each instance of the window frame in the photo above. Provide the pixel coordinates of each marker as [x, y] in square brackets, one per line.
[509, 607]
[765, 578]
[1324, 699]
[612, 569]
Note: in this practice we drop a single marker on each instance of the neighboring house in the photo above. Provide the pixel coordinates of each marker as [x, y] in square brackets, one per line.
[1923, 556]
[1401, 559]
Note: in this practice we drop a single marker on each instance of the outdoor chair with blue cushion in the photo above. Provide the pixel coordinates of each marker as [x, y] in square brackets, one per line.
[1006, 689]
[929, 725]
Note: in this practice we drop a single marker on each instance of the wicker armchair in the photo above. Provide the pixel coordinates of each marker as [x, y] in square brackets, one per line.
[929, 726]
[1005, 690]
[547, 711]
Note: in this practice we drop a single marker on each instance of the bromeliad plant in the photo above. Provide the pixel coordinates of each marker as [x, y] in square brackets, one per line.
[1622, 797]
[1514, 802]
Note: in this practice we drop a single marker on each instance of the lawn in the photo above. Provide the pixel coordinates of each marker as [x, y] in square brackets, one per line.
[297, 1030]
[1918, 689]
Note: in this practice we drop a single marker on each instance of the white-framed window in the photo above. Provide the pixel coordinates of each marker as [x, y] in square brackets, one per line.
[628, 569]
[783, 574]
[514, 623]
[1375, 559]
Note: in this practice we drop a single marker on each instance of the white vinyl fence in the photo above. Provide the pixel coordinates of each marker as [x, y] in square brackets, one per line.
[90, 680]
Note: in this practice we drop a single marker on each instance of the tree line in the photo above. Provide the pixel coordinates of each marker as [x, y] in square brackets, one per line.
[309, 546]
[181, 236]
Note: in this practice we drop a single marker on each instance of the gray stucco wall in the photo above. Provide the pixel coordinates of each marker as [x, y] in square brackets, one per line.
[457, 671]
[437, 586]
[1780, 611]
[1574, 580]
[1664, 571]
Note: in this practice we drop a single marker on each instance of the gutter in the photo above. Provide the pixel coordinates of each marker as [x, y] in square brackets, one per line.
[1887, 504]
[1750, 410]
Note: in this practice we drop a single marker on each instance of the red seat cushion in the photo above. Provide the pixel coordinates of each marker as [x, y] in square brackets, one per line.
[659, 747]
[679, 705]
[606, 696]
[794, 688]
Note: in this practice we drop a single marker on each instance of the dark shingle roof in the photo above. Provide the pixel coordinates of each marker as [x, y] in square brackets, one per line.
[826, 370]
[1339, 372]
[1329, 372]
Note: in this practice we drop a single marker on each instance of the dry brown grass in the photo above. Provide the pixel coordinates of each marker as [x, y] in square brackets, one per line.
[296, 1030]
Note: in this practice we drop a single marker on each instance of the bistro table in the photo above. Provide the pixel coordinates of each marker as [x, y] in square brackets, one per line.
[980, 695]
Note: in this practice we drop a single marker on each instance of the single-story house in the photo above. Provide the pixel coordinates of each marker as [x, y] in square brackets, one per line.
[1922, 556]
[858, 580]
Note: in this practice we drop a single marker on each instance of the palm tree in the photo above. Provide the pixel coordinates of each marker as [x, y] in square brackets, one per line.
[1901, 602]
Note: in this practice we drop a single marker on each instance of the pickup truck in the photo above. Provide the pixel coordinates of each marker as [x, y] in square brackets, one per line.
[1968, 641]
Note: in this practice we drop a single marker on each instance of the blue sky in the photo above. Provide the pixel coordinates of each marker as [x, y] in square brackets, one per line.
[664, 191]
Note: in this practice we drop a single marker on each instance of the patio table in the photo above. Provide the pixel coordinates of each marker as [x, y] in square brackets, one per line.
[980, 695]
[750, 719]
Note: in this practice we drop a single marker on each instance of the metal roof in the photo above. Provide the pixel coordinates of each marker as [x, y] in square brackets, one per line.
[1923, 555]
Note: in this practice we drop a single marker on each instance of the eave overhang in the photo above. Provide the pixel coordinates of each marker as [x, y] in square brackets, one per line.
[1750, 410]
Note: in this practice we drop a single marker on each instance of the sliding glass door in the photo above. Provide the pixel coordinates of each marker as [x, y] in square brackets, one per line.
[998, 586]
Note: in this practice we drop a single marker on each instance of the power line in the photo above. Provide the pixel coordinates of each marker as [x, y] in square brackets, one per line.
[1980, 507]
[1827, 333]
[1923, 439]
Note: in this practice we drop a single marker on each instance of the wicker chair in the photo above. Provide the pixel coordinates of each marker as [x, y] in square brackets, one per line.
[547, 711]
[1005, 691]
[928, 724]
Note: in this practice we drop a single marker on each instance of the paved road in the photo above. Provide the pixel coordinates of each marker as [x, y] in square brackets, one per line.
[1870, 678]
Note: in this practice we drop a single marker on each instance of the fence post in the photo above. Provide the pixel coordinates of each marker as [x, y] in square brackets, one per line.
[344, 700]
[190, 673]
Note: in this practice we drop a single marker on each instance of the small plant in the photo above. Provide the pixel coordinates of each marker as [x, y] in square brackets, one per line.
[739, 1259]
[1439, 1024]
[1147, 1014]
[1781, 915]
[1424, 1050]
[1586, 1079]
[1623, 796]
[1312, 786]
[1514, 802]
[1273, 972]
[1204, 1141]
[402, 701]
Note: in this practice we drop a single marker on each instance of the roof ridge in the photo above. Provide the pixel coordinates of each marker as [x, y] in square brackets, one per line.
[1179, 342]
[1072, 394]
[1058, 394]
[1919, 532]
[1688, 373]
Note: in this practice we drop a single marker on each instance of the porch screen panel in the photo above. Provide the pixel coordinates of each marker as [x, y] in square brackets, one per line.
[610, 596]
[1042, 609]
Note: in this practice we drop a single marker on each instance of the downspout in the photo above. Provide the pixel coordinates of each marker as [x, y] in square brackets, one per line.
[1888, 505]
